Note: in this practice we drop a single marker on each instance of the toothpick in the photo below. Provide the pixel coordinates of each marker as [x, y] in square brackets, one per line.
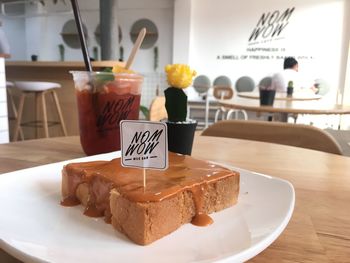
[144, 177]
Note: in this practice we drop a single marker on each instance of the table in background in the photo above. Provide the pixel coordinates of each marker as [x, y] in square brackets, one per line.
[319, 230]
[285, 107]
[302, 96]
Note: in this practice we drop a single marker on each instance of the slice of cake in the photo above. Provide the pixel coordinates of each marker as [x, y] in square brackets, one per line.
[186, 192]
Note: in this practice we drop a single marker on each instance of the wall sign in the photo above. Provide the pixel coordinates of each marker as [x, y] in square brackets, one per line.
[269, 28]
[271, 25]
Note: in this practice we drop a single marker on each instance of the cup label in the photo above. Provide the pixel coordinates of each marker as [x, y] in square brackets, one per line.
[144, 144]
[113, 111]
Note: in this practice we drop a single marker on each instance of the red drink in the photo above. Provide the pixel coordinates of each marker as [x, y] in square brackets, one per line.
[104, 99]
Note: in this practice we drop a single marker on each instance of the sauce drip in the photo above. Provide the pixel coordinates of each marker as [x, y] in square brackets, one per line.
[70, 201]
[92, 211]
[202, 220]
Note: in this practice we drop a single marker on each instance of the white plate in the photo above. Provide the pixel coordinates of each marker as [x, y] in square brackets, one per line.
[35, 228]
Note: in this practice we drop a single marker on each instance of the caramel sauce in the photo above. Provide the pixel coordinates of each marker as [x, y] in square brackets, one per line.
[70, 201]
[202, 220]
[184, 173]
[92, 211]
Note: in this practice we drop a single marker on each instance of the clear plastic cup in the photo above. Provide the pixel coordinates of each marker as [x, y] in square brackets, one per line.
[104, 99]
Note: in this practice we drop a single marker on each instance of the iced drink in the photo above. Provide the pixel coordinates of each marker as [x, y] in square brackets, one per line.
[104, 99]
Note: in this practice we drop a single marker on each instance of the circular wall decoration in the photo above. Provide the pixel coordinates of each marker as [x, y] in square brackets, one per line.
[70, 34]
[151, 35]
[98, 34]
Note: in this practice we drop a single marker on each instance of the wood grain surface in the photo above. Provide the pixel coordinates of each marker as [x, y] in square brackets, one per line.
[282, 96]
[319, 230]
[287, 106]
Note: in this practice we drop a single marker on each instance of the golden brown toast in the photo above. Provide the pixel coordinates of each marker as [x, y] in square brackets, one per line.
[186, 192]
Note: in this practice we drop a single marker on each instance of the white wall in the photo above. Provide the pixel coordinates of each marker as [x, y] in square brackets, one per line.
[313, 35]
[40, 35]
[15, 33]
[345, 62]
[163, 18]
[4, 128]
[203, 30]
[182, 31]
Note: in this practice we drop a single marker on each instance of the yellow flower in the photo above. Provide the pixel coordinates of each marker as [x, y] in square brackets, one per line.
[119, 69]
[179, 75]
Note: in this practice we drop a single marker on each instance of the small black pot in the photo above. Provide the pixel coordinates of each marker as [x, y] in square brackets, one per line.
[267, 97]
[180, 136]
[290, 91]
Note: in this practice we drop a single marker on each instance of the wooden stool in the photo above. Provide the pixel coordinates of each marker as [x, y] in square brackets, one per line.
[9, 87]
[39, 89]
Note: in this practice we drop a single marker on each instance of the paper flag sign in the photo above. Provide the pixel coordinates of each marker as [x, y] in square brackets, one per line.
[144, 144]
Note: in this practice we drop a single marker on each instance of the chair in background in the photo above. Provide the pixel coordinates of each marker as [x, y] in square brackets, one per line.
[157, 110]
[222, 81]
[298, 135]
[245, 84]
[202, 84]
[343, 138]
[39, 89]
[265, 83]
[222, 91]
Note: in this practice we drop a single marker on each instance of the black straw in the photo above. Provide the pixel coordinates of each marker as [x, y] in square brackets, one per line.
[81, 35]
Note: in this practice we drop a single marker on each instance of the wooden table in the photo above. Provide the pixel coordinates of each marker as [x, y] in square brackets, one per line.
[319, 230]
[302, 96]
[285, 107]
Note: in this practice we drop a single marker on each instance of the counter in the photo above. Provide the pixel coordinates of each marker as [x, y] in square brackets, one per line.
[51, 71]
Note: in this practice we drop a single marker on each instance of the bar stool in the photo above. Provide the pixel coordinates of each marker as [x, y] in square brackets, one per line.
[39, 89]
[9, 87]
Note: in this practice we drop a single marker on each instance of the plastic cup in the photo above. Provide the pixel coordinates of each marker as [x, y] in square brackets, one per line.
[103, 100]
